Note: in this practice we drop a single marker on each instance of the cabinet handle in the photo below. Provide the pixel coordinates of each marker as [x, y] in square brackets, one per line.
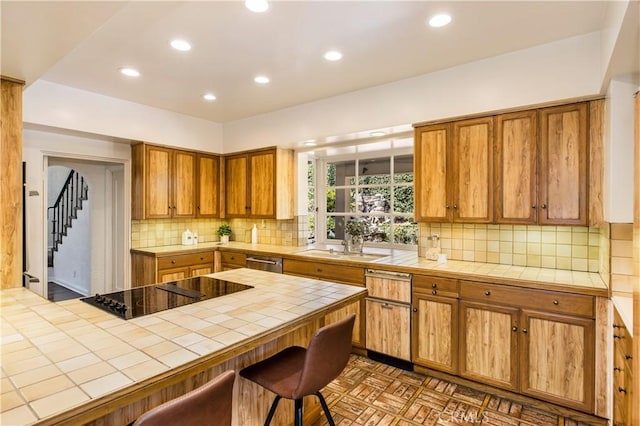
[434, 285]
[617, 326]
[621, 389]
[617, 336]
[487, 293]
[387, 306]
[544, 206]
[434, 292]
[617, 369]
[318, 270]
[514, 328]
[534, 206]
[524, 330]
[628, 357]
[555, 302]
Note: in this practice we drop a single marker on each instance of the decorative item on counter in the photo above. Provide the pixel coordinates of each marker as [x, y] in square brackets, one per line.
[355, 236]
[442, 258]
[254, 234]
[434, 248]
[187, 238]
[224, 231]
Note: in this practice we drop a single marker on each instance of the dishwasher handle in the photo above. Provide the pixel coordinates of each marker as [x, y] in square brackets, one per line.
[268, 262]
[388, 275]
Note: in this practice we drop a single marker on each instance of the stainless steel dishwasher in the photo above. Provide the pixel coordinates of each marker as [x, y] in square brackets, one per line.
[265, 263]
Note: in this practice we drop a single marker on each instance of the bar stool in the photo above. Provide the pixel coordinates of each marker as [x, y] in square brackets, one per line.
[210, 404]
[296, 372]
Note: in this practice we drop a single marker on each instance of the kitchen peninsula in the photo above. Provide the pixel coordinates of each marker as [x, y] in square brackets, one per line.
[75, 364]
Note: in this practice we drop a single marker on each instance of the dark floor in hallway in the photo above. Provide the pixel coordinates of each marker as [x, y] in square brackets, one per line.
[374, 394]
[58, 293]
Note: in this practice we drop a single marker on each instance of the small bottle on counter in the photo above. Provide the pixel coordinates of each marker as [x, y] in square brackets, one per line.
[254, 234]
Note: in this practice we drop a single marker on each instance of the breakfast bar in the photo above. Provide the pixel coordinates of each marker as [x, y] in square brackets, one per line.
[72, 363]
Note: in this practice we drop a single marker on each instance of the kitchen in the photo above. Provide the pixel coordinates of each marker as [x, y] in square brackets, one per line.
[91, 123]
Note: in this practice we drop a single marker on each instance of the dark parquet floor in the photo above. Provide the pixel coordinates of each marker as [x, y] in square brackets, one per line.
[58, 293]
[375, 394]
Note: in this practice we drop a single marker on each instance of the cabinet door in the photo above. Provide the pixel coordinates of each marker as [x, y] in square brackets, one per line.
[184, 184]
[236, 169]
[158, 203]
[262, 186]
[472, 157]
[388, 328]
[435, 332]
[358, 338]
[563, 165]
[558, 358]
[431, 171]
[489, 344]
[515, 168]
[207, 204]
[165, 275]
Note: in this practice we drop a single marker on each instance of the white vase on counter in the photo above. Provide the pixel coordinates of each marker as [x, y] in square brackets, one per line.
[224, 239]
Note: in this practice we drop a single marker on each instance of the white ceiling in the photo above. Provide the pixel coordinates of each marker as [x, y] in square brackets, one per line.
[83, 44]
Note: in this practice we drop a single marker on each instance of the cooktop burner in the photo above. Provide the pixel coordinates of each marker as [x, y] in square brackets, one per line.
[146, 300]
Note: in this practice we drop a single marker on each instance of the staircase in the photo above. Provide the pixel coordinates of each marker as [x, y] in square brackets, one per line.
[61, 215]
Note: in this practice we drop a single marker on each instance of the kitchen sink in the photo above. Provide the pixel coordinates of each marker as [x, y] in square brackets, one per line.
[340, 255]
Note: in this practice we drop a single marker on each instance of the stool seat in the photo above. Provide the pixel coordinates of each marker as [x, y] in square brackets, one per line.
[296, 372]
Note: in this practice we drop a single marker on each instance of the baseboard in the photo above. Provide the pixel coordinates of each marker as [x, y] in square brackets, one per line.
[70, 286]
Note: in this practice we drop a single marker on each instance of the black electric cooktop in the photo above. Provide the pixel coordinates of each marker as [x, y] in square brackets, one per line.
[149, 299]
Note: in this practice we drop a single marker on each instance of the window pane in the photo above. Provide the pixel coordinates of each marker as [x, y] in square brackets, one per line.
[341, 200]
[403, 168]
[335, 227]
[341, 173]
[375, 171]
[404, 230]
[378, 228]
[403, 199]
[374, 200]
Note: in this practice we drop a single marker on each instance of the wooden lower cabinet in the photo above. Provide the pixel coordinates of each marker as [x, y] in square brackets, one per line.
[232, 260]
[357, 339]
[435, 331]
[489, 344]
[622, 374]
[545, 355]
[148, 269]
[387, 328]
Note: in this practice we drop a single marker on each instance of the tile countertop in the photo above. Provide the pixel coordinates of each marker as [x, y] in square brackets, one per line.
[589, 283]
[56, 356]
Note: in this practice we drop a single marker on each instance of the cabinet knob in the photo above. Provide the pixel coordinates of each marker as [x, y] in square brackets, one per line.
[617, 336]
[555, 302]
[487, 293]
[544, 206]
[173, 262]
[617, 326]
[534, 206]
[434, 292]
[387, 306]
[319, 270]
[617, 369]
[448, 207]
[524, 330]
[455, 206]
[514, 328]
[415, 309]
[202, 258]
[628, 357]
[622, 390]
[434, 285]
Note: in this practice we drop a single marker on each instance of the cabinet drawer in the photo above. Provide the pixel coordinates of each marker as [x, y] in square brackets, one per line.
[436, 286]
[548, 301]
[232, 258]
[325, 271]
[189, 259]
[621, 337]
[391, 288]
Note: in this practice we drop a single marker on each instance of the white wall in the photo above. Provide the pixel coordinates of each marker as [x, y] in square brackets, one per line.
[41, 143]
[618, 152]
[55, 105]
[559, 70]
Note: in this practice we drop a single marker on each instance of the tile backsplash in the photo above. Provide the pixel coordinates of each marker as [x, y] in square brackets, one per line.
[165, 232]
[621, 268]
[575, 248]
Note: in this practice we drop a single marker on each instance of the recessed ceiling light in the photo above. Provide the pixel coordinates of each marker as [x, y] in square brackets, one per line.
[181, 45]
[377, 133]
[439, 20]
[310, 142]
[130, 72]
[257, 6]
[209, 97]
[261, 79]
[333, 55]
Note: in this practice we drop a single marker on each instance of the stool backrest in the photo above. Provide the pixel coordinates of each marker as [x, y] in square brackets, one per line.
[327, 355]
[210, 404]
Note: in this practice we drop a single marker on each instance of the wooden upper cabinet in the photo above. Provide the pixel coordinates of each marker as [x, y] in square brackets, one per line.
[472, 159]
[563, 165]
[164, 182]
[431, 170]
[259, 184]
[208, 200]
[515, 163]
